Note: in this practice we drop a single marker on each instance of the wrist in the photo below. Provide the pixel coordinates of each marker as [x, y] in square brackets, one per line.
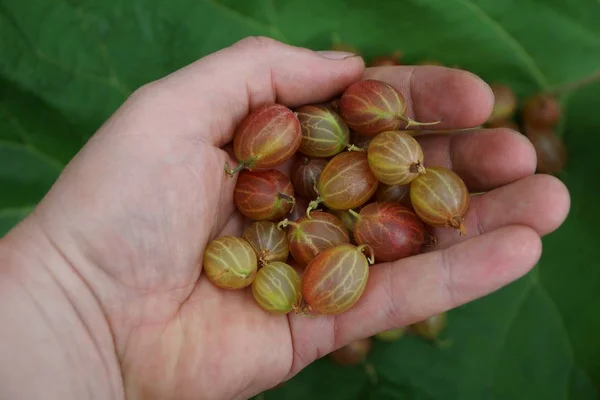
[54, 339]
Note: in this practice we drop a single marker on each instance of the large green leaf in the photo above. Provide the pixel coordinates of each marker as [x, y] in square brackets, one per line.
[66, 65]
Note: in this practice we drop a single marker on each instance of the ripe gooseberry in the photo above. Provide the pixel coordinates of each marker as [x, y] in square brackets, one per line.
[371, 106]
[276, 288]
[335, 279]
[440, 198]
[309, 236]
[386, 60]
[230, 262]
[395, 158]
[541, 111]
[324, 132]
[305, 174]
[549, 148]
[266, 138]
[431, 327]
[393, 194]
[353, 353]
[391, 230]
[263, 194]
[346, 182]
[505, 103]
[269, 243]
[391, 335]
[360, 141]
[299, 209]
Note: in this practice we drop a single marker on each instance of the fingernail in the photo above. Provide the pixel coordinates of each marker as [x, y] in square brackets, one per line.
[336, 55]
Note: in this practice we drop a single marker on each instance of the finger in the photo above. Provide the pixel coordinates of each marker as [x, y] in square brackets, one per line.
[484, 159]
[540, 202]
[209, 98]
[412, 289]
[432, 93]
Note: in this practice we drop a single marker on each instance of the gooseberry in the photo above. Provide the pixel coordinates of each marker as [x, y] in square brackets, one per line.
[393, 194]
[386, 60]
[269, 243]
[353, 353]
[277, 287]
[431, 327]
[391, 335]
[395, 158]
[266, 138]
[541, 111]
[324, 132]
[263, 194]
[549, 148]
[230, 262]
[505, 103]
[305, 174]
[360, 141]
[440, 198]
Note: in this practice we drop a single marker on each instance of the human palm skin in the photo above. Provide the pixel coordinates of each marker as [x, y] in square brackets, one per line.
[103, 292]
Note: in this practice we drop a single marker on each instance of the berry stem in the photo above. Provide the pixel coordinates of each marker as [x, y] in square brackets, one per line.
[354, 214]
[412, 122]
[352, 147]
[289, 199]
[285, 223]
[574, 85]
[313, 205]
[234, 171]
[371, 258]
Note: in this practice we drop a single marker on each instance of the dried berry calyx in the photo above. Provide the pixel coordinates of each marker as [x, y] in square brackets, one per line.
[266, 138]
[346, 182]
[324, 132]
[269, 243]
[308, 237]
[371, 106]
[263, 195]
[335, 279]
[541, 111]
[395, 158]
[549, 148]
[277, 288]
[305, 174]
[353, 353]
[229, 262]
[391, 230]
[505, 103]
[440, 198]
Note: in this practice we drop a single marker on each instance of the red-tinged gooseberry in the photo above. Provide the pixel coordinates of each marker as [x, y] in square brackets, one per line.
[386, 60]
[370, 107]
[229, 262]
[505, 103]
[269, 243]
[266, 138]
[346, 182]
[324, 132]
[299, 209]
[440, 198]
[360, 141]
[353, 353]
[391, 230]
[431, 327]
[391, 335]
[549, 148]
[309, 236]
[335, 279]
[395, 158]
[393, 194]
[305, 174]
[263, 195]
[541, 111]
[277, 288]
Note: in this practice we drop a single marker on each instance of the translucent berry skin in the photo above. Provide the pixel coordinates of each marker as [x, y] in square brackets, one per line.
[335, 279]
[269, 243]
[393, 194]
[310, 236]
[549, 148]
[440, 198]
[391, 230]
[505, 103]
[305, 174]
[391, 335]
[431, 327]
[263, 195]
[370, 107]
[324, 132]
[266, 138]
[277, 288]
[347, 181]
[541, 111]
[353, 353]
[395, 158]
[229, 262]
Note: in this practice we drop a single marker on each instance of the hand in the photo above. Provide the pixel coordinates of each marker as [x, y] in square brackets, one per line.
[126, 224]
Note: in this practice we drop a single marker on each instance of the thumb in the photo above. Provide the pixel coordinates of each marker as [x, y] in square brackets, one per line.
[209, 98]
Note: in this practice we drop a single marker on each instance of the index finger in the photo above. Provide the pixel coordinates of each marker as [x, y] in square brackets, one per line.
[457, 97]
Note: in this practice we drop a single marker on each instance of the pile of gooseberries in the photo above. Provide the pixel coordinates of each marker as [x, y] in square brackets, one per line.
[359, 193]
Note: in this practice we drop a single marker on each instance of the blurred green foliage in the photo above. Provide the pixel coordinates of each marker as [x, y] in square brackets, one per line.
[66, 65]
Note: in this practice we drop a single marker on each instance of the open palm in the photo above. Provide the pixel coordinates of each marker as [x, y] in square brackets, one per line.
[134, 210]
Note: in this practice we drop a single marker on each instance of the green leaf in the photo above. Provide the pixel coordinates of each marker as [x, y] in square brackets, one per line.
[67, 65]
